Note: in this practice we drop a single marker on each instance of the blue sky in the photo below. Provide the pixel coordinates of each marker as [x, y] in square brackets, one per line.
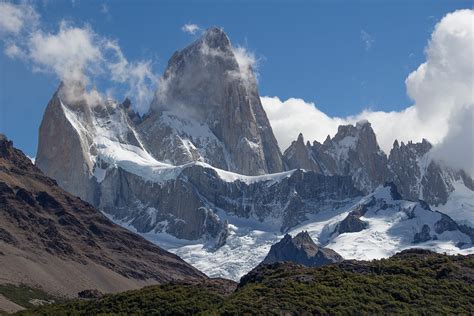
[344, 56]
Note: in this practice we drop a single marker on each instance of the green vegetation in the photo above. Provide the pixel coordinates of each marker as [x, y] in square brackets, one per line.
[413, 282]
[26, 296]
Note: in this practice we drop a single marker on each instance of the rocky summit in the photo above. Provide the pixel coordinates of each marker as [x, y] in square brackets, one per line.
[301, 249]
[354, 151]
[208, 109]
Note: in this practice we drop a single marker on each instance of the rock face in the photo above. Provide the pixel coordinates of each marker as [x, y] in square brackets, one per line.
[112, 169]
[62, 153]
[354, 151]
[68, 138]
[419, 177]
[51, 238]
[300, 156]
[208, 109]
[301, 249]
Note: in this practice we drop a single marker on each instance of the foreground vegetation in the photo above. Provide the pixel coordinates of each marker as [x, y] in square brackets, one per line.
[26, 296]
[412, 282]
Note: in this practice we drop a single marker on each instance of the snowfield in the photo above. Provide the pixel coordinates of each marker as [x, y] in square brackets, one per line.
[389, 231]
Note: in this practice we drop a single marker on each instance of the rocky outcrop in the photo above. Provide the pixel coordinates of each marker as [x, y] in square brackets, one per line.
[208, 109]
[299, 156]
[52, 239]
[63, 154]
[354, 151]
[351, 224]
[423, 235]
[301, 249]
[67, 144]
[417, 176]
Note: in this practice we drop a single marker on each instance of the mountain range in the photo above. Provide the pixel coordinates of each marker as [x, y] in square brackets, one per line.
[201, 173]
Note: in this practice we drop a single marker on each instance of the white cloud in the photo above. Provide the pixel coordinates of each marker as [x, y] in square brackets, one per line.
[78, 55]
[294, 116]
[70, 53]
[15, 18]
[138, 75]
[190, 28]
[367, 39]
[246, 60]
[247, 65]
[13, 51]
[442, 90]
[289, 118]
[443, 87]
[457, 148]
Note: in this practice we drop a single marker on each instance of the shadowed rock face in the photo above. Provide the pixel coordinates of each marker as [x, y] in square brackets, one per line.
[354, 151]
[41, 223]
[207, 108]
[302, 250]
[201, 191]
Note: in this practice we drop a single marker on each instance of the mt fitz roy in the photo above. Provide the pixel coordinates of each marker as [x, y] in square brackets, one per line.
[201, 173]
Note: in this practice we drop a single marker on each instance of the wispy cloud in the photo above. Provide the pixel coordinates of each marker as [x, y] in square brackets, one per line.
[367, 39]
[104, 8]
[16, 18]
[190, 28]
[75, 54]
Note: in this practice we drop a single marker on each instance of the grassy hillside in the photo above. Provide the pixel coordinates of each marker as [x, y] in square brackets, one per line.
[414, 281]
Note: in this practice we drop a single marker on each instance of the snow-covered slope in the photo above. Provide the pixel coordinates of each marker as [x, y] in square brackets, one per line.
[391, 225]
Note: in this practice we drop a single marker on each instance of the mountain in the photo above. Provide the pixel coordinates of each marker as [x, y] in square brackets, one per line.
[54, 240]
[414, 281]
[162, 174]
[207, 109]
[301, 249]
[419, 177]
[102, 156]
[354, 151]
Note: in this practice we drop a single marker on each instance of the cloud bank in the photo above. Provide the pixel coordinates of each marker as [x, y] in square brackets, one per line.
[442, 89]
[76, 55]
